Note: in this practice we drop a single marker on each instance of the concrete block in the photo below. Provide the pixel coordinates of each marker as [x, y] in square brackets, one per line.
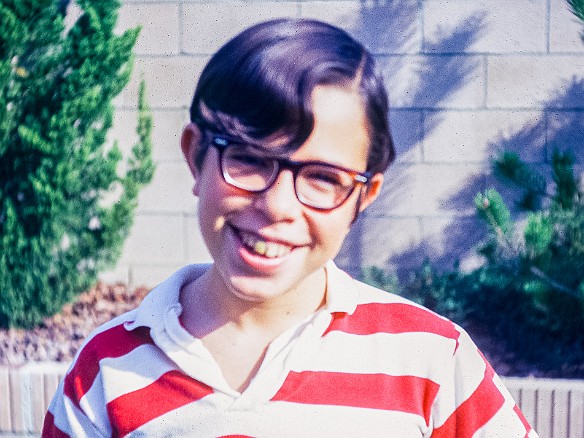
[166, 132]
[566, 31]
[154, 240]
[406, 129]
[452, 240]
[434, 81]
[485, 26]
[478, 136]
[429, 190]
[170, 190]
[118, 274]
[151, 275]
[383, 27]
[72, 14]
[170, 82]
[167, 126]
[377, 241]
[160, 26]
[207, 26]
[535, 81]
[196, 250]
[565, 131]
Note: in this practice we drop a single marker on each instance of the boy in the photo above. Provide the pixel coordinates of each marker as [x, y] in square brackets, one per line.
[287, 144]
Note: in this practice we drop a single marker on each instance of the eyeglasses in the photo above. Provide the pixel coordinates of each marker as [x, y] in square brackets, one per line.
[317, 185]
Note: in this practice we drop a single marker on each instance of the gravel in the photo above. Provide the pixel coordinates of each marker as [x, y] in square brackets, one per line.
[59, 337]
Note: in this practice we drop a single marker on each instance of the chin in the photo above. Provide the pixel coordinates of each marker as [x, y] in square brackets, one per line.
[248, 290]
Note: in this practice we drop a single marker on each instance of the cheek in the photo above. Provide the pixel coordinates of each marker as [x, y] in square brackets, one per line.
[217, 201]
[332, 228]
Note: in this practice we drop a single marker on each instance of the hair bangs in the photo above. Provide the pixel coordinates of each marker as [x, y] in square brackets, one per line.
[259, 85]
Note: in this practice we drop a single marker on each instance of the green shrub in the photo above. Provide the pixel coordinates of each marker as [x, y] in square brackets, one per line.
[543, 258]
[426, 286]
[529, 293]
[56, 89]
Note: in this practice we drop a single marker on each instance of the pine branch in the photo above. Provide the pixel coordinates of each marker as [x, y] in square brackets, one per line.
[553, 283]
[577, 8]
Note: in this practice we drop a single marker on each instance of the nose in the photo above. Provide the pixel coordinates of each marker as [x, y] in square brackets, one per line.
[279, 202]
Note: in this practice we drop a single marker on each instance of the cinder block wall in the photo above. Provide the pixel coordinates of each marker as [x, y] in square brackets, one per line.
[466, 80]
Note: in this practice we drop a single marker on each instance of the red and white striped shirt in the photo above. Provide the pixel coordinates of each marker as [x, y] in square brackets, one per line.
[369, 364]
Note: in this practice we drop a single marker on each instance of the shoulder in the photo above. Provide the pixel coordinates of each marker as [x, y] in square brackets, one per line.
[110, 340]
[131, 330]
[113, 339]
[377, 311]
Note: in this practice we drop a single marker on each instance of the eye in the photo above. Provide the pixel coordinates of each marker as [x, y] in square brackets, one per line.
[245, 160]
[323, 177]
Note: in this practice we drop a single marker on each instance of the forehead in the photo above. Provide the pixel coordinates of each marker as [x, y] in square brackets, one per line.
[340, 135]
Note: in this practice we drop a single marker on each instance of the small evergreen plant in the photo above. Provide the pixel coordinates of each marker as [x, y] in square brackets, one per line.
[543, 258]
[577, 7]
[529, 293]
[56, 90]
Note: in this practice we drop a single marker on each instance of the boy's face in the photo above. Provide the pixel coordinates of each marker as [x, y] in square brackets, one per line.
[268, 245]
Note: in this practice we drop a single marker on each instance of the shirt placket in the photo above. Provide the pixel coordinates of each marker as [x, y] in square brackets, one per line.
[292, 350]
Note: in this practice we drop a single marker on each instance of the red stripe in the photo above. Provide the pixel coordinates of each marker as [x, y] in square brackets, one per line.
[171, 391]
[523, 420]
[474, 412]
[392, 318]
[414, 395]
[50, 430]
[114, 342]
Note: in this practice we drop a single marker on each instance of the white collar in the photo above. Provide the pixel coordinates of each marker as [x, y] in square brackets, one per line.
[342, 294]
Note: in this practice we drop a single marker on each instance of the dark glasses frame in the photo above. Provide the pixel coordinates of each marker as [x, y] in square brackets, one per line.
[221, 142]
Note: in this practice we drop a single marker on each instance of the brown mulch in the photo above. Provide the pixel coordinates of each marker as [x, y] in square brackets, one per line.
[59, 337]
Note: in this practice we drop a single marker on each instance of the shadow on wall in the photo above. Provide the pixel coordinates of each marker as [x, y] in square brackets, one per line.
[417, 86]
[559, 124]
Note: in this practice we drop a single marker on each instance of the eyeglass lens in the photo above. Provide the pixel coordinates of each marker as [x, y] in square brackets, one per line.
[316, 185]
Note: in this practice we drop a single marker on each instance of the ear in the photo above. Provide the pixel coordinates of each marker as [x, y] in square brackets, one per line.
[190, 142]
[372, 192]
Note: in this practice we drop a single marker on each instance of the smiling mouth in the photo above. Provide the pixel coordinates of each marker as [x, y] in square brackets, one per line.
[262, 247]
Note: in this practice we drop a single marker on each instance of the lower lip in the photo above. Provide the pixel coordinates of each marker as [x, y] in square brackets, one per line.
[257, 262]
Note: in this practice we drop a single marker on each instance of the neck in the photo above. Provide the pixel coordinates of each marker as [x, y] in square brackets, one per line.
[208, 304]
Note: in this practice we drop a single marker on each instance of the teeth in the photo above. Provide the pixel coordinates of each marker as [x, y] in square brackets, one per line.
[263, 248]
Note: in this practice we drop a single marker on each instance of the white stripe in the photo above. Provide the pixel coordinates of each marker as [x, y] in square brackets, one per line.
[503, 424]
[458, 387]
[71, 420]
[93, 404]
[133, 371]
[394, 354]
[283, 419]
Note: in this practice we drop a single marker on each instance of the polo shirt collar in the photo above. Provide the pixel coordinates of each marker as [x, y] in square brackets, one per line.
[164, 296]
[342, 294]
[342, 291]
